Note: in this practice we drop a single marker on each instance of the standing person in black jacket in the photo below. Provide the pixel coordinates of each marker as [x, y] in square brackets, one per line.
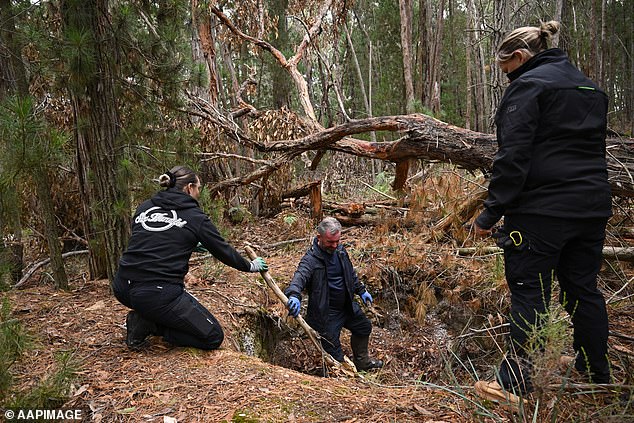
[327, 274]
[150, 279]
[549, 181]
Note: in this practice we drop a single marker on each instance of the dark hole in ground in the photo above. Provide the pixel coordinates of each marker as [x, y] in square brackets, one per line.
[414, 348]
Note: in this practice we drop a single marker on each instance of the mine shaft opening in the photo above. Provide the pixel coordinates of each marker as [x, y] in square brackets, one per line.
[413, 327]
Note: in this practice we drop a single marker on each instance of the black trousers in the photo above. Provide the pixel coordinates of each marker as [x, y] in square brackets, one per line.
[355, 321]
[180, 317]
[571, 251]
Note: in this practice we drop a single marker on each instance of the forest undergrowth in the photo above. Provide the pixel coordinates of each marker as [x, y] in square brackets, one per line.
[439, 324]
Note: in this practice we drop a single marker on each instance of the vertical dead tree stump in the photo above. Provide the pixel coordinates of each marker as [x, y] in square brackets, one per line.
[316, 211]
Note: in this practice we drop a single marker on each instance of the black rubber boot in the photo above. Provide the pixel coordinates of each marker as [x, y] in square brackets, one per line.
[362, 360]
[138, 330]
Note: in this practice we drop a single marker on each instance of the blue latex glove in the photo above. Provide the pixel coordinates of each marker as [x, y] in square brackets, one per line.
[366, 297]
[259, 265]
[293, 306]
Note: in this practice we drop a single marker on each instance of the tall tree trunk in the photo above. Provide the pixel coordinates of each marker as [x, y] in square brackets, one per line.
[405, 9]
[481, 93]
[631, 60]
[204, 50]
[559, 5]
[13, 75]
[501, 10]
[422, 52]
[367, 94]
[433, 87]
[357, 68]
[12, 81]
[601, 45]
[593, 56]
[468, 64]
[94, 102]
[44, 195]
[374, 164]
[281, 85]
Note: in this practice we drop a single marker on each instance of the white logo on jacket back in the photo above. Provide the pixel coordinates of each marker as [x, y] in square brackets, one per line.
[161, 220]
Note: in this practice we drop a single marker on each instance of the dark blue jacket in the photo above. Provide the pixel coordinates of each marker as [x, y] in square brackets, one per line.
[551, 129]
[311, 276]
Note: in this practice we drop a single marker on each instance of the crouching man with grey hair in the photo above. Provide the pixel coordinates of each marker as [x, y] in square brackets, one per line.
[330, 280]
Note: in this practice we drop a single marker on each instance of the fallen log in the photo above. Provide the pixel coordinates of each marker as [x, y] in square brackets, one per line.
[359, 221]
[313, 191]
[301, 191]
[609, 252]
[619, 253]
[424, 138]
[431, 139]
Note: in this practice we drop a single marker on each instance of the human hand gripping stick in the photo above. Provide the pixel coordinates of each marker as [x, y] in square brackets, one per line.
[293, 306]
[259, 265]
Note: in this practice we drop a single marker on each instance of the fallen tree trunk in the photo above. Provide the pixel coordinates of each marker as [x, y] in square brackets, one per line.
[612, 253]
[430, 139]
[425, 138]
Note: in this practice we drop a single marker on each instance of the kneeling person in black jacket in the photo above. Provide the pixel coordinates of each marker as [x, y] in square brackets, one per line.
[150, 280]
[327, 274]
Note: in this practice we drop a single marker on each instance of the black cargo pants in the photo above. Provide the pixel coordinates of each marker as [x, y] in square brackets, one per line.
[354, 320]
[571, 251]
[180, 317]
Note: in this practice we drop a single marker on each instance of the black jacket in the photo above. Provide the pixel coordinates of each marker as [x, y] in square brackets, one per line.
[311, 276]
[551, 128]
[165, 231]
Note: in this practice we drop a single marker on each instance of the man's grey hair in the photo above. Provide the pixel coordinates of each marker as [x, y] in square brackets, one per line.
[330, 225]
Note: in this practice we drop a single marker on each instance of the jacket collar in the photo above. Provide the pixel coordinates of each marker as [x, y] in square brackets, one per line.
[321, 254]
[546, 56]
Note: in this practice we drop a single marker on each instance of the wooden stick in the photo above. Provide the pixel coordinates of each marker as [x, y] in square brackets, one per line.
[609, 252]
[312, 333]
[37, 265]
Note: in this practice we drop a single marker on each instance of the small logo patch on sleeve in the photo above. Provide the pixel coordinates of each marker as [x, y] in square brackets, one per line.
[511, 108]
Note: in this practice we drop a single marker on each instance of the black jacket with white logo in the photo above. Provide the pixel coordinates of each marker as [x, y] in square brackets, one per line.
[551, 128]
[165, 231]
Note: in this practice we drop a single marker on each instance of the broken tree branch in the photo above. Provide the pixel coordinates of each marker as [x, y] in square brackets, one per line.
[615, 253]
[44, 262]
